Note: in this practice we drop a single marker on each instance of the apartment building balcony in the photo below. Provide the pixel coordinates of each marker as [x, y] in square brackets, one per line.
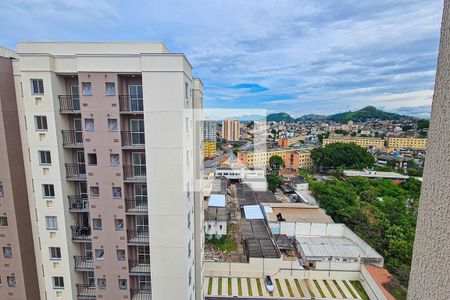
[72, 139]
[131, 104]
[137, 237]
[78, 203]
[139, 266]
[136, 206]
[81, 233]
[83, 263]
[141, 294]
[76, 172]
[69, 104]
[85, 291]
[133, 139]
[134, 173]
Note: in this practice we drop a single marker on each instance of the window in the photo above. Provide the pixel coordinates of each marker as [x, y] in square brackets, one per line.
[7, 252]
[86, 88]
[2, 193]
[3, 221]
[189, 249]
[92, 159]
[110, 89]
[51, 222]
[118, 223]
[99, 254]
[186, 90]
[101, 282]
[97, 224]
[117, 192]
[11, 281]
[55, 253]
[120, 255]
[48, 190]
[189, 220]
[95, 191]
[44, 157]
[41, 122]
[89, 125]
[37, 86]
[114, 159]
[58, 282]
[113, 125]
[122, 284]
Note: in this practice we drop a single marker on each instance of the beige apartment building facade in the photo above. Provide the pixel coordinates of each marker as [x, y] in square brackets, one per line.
[365, 142]
[231, 130]
[18, 274]
[409, 143]
[110, 130]
[260, 159]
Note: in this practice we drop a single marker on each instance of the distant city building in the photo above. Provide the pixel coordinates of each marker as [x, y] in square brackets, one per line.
[366, 142]
[288, 141]
[209, 149]
[260, 159]
[410, 143]
[210, 131]
[231, 130]
[300, 159]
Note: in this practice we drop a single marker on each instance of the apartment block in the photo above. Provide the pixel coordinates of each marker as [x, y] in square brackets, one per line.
[366, 142]
[209, 149]
[18, 274]
[409, 143]
[300, 159]
[209, 131]
[260, 159]
[286, 142]
[231, 130]
[110, 128]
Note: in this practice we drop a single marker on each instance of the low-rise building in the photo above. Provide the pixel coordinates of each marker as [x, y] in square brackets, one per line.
[260, 159]
[300, 159]
[209, 149]
[366, 142]
[375, 174]
[409, 143]
[288, 141]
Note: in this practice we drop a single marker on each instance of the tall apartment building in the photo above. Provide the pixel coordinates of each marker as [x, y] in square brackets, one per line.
[209, 149]
[18, 275]
[110, 130]
[209, 131]
[231, 130]
[300, 159]
[366, 142]
[410, 143]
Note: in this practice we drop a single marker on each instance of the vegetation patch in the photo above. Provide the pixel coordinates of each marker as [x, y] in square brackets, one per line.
[225, 243]
[249, 287]
[329, 289]
[397, 290]
[359, 288]
[299, 288]
[280, 291]
[258, 284]
[349, 289]
[219, 291]
[210, 285]
[322, 294]
[291, 293]
[230, 287]
[339, 289]
[239, 284]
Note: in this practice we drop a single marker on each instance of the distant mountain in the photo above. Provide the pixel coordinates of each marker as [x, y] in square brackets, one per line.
[278, 117]
[364, 114]
[311, 117]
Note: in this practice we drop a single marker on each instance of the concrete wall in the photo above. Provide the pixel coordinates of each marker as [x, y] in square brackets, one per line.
[370, 286]
[431, 258]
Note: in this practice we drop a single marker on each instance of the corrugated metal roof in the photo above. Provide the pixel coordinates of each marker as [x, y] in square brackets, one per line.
[217, 200]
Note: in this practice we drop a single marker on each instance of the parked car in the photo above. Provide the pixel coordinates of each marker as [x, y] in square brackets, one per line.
[269, 284]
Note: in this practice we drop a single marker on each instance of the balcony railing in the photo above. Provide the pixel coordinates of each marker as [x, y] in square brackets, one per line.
[137, 236]
[76, 171]
[144, 293]
[139, 265]
[135, 173]
[69, 103]
[85, 291]
[133, 138]
[129, 103]
[136, 205]
[83, 263]
[78, 203]
[80, 233]
[72, 138]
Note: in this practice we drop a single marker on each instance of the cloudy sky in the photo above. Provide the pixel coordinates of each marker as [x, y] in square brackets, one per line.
[295, 56]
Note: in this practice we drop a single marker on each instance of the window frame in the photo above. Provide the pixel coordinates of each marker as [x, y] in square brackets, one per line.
[85, 92]
[47, 155]
[39, 86]
[48, 187]
[39, 120]
[54, 250]
[57, 281]
[106, 89]
[54, 221]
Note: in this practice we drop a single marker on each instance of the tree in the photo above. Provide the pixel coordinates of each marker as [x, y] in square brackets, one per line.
[273, 181]
[423, 124]
[275, 162]
[336, 155]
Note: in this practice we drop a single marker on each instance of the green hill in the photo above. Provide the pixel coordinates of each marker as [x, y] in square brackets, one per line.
[364, 114]
[278, 117]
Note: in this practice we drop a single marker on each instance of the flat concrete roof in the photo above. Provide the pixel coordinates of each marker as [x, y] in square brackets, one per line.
[216, 214]
[374, 174]
[298, 213]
